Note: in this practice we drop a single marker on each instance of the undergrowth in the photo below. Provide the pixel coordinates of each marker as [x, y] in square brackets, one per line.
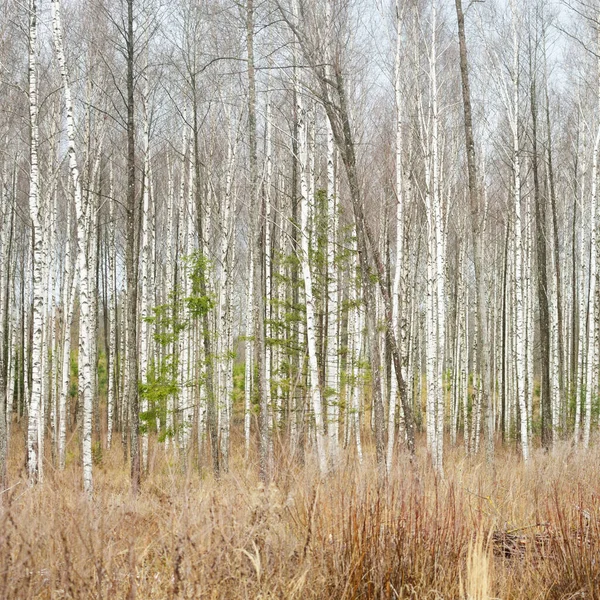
[514, 531]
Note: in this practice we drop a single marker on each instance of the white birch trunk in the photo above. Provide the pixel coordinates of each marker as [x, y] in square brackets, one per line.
[34, 457]
[314, 388]
[555, 362]
[85, 371]
[268, 267]
[440, 318]
[145, 276]
[398, 266]
[248, 353]
[182, 220]
[520, 342]
[112, 316]
[591, 343]
[355, 330]
[581, 286]
[170, 289]
[225, 308]
[68, 302]
[332, 362]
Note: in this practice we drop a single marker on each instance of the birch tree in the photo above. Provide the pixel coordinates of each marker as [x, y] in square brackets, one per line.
[35, 210]
[85, 368]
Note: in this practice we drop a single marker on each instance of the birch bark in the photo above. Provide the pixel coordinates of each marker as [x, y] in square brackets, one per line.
[314, 388]
[520, 341]
[85, 370]
[35, 210]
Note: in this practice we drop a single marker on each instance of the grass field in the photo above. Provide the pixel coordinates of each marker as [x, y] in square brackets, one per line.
[516, 532]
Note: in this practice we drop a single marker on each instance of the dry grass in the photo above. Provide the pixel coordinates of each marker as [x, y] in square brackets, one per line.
[515, 533]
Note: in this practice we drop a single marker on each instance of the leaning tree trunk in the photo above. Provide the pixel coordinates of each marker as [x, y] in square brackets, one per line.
[399, 263]
[333, 92]
[477, 226]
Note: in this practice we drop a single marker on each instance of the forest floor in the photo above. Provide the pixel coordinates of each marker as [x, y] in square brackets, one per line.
[515, 532]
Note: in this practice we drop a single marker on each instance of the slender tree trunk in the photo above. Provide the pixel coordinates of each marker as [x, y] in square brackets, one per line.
[5, 328]
[332, 360]
[145, 277]
[131, 260]
[85, 329]
[477, 226]
[561, 361]
[520, 288]
[591, 306]
[257, 237]
[542, 279]
[340, 120]
[225, 306]
[397, 292]
[35, 401]
[112, 317]
[314, 387]
[582, 310]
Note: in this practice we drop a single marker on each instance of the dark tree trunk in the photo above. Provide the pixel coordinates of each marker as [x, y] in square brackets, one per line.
[368, 251]
[542, 278]
[476, 223]
[131, 261]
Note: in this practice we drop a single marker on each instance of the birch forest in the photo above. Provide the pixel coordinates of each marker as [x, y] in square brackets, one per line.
[299, 299]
